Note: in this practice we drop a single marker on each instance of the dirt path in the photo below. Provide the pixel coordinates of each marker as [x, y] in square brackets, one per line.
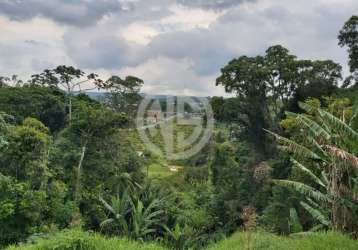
[174, 168]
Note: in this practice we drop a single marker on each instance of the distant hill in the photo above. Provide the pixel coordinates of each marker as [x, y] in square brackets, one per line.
[99, 96]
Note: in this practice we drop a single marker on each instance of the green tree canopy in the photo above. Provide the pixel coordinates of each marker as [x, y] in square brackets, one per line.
[348, 37]
[265, 85]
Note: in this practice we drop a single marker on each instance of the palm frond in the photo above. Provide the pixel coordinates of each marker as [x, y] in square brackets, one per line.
[106, 205]
[316, 214]
[308, 172]
[293, 147]
[106, 222]
[153, 205]
[324, 177]
[319, 148]
[154, 214]
[313, 126]
[312, 203]
[304, 189]
[339, 125]
[306, 107]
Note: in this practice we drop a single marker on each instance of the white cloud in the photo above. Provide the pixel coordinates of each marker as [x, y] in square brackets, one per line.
[30, 46]
[163, 75]
[185, 18]
[141, 33]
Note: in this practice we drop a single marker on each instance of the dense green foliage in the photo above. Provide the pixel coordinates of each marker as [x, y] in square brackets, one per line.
[44, 104]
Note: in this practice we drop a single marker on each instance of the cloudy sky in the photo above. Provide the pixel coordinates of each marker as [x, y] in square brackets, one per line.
[175, 46]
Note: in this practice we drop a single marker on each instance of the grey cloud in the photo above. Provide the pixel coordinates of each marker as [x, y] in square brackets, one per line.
[212, 4]
[308, 32]
[85, 12]
[99, 50]
[145, 10]
[207, 49]
[26, 58]
[307, 28]
[236, 33]
[38, 65]
[32, 42]
[202, 46]
[69, 12]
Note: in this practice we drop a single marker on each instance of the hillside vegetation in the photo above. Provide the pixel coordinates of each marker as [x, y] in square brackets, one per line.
[73, 240]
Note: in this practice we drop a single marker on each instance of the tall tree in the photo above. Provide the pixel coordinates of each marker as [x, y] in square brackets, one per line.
[266, 85]
[348, 36]
[316, 79]
[124, 94]
[88, 125]
[247, 77]
[69, 78]
[217, 103]
[282, 69]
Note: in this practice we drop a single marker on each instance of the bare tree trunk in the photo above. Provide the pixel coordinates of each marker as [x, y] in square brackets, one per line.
[69, 93]
[70, 108]
[78, 181]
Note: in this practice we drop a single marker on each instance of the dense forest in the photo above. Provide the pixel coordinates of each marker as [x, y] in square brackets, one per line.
[282, 161]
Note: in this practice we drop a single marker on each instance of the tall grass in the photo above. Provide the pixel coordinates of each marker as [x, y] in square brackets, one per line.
[78, 240]
[266, 241]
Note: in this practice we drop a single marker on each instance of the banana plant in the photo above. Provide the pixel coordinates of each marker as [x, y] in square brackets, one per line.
[124, 181]
[145, 220]
[179, 237]
[328, 157]
[119, 209]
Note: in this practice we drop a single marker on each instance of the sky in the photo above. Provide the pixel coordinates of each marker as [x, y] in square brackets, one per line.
[176, 46]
